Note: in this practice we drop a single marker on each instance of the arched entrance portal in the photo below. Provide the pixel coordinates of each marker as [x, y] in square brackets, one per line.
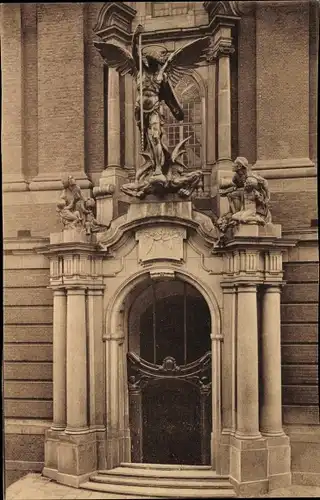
[169, 374]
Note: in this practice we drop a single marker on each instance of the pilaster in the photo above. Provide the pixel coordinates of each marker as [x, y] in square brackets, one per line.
[252, 440]
[75, 445]
[12, 102]
[114, 24]
[221, 50]
[61, 121]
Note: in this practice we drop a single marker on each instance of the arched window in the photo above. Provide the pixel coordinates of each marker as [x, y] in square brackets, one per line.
[188, 94]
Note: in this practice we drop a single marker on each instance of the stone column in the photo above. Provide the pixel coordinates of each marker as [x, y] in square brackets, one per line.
[224, 107]
[271, 408]
[77, 421]
[216, 397]
[211, 115]
[59, 359]
[113, 118]
[96, 358]
[112, 404]
[135, 410]
[113, 175]
[222, 50]
[228, 390]
[130, 124]
[247, 363]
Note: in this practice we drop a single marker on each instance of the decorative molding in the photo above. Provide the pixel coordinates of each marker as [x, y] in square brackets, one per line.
[177, 214]
[160, 242]
[157, 273]
[114, 21]
[141, 372]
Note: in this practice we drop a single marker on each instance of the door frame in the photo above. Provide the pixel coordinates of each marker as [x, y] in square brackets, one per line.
[142, 373]
[116, 340]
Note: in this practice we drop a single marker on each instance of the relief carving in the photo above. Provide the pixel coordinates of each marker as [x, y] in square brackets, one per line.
[161, 243]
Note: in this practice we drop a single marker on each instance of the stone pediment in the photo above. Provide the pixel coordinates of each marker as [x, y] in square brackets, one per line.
[114, 21]
[172, 218]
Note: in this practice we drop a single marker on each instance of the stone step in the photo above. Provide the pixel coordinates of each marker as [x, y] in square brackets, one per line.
[136, 465]
[162, 482]
[156, 473]
[156, 492]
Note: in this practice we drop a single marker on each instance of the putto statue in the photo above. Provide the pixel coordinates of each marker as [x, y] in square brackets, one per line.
[156, 73]
[74, 210]
[248, 195]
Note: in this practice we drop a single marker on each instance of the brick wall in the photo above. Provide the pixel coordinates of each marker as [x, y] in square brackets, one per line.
[299, 329]
[27, 357]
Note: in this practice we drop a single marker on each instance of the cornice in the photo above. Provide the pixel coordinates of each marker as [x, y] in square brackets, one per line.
[115, 19]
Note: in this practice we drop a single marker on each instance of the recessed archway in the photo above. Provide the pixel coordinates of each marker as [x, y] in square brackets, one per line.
[117, 343]
[169, 374]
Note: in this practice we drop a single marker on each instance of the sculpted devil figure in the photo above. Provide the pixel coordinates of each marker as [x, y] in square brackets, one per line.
[156, 73]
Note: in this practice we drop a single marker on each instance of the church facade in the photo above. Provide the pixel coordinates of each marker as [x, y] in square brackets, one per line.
[161, 315]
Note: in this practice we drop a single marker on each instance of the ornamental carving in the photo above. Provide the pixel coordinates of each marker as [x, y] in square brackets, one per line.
[161, 243]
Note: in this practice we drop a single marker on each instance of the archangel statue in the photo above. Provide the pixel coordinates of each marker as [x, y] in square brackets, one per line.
[156, 73]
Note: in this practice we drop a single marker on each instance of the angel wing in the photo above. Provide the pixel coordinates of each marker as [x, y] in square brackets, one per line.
[185, 59]
[117, 57]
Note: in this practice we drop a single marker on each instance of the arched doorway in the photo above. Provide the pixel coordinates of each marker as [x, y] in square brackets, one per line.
[169, 374]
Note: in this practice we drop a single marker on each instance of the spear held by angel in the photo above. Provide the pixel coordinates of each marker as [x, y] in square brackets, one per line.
[156, 73]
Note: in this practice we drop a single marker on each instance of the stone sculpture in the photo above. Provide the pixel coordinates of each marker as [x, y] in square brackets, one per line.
[156, 72]
[248, 196]
[74, 210]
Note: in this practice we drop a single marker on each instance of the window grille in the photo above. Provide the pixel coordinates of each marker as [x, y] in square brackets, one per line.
[188, 94]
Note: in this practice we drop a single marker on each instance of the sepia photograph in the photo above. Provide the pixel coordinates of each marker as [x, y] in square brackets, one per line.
[160, 249]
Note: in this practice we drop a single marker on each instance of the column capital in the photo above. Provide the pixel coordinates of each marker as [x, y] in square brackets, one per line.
[220, 49]
[95, 290]
[273, 287]
[217, 337]
[247, 287]
[76, 289]
[58, 290]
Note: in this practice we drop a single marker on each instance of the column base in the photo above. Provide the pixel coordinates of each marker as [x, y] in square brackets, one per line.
[250, 488]
[279, 461]
[71, 458]
[118, 449]
[249, 465]
[224, 452]
[67, 479]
